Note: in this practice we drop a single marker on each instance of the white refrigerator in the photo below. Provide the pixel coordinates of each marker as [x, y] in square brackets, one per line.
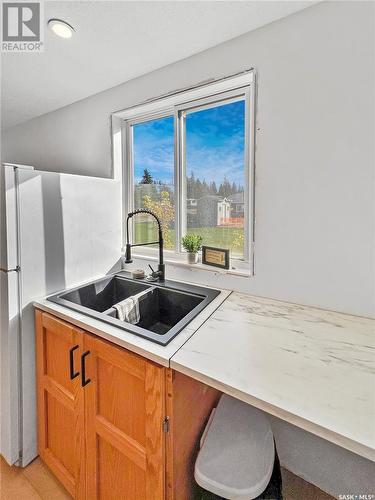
[61, 230]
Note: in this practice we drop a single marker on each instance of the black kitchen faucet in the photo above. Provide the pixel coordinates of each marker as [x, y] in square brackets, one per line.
[160, 273]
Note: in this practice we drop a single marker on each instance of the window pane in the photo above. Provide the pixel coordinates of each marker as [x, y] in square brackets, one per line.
[215, 171]
[153, 149]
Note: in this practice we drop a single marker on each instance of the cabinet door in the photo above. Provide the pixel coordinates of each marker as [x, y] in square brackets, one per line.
[61, 401]
[124, 424]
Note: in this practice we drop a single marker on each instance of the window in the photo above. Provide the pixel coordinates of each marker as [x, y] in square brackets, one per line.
[188, 157]
[153, 186]
[215, 174]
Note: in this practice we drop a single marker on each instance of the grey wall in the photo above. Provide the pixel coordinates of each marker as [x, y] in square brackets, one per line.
[314, 169]
[333, 469]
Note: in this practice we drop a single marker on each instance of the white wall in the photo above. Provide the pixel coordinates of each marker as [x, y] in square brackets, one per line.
[3, 295]
[314, 160]
[315, 210]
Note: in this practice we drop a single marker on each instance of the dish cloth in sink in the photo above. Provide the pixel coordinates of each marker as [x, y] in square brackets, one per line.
[128, 309]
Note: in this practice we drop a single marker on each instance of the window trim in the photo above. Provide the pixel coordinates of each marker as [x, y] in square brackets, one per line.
[185, 101]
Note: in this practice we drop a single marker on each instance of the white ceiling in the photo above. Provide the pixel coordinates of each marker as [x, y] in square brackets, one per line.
[116, 41]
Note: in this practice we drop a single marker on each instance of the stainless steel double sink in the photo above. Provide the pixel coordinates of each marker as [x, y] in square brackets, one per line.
[164, 311]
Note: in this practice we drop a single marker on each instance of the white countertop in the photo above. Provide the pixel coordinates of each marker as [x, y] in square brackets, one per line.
[150, 350]
[311, 367]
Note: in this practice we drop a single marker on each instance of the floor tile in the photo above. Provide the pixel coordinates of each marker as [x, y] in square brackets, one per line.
[295, 488]
[44, 482]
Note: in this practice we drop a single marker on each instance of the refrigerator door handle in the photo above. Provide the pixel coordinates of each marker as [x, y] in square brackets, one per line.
[14, 270]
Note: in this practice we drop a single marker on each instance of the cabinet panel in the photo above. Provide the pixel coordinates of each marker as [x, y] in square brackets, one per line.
[60, 430]
[60, 401]
[116, 402]
[189, 404]
[124, 424]
[118, 476]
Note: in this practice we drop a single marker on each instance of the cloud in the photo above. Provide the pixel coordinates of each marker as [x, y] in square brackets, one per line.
[214, 145]
[154, 149]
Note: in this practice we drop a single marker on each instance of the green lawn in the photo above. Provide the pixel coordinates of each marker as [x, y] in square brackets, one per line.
[223, 237]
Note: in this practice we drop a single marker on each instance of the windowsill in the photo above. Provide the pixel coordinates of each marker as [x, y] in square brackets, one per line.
[199, 266]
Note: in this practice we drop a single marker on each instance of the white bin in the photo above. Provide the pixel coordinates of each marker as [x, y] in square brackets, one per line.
[237, 454]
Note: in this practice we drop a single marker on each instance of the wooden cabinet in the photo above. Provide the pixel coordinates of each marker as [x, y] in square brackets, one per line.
[124, 424]
[103, 414]
[61, 401]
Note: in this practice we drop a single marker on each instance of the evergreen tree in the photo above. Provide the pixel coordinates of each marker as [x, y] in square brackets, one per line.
[205, 188]
[213, 188]
[146, 178]
[198, 189]
[190, 186]
[225, 188]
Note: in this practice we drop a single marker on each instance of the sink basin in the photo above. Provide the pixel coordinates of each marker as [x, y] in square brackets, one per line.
[102, 294]
[165, 310]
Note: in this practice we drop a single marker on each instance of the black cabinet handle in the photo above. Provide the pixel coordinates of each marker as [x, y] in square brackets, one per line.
[83, 369]
[73, 374]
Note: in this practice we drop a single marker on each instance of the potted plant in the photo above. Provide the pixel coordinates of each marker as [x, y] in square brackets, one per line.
[192, 244]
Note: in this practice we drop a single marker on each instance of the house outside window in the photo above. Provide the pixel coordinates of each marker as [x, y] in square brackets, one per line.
[189, 157]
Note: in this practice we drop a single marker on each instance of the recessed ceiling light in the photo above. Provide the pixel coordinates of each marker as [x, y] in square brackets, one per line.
[61, 28]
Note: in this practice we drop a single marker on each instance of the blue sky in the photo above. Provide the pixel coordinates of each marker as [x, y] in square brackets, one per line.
[214, 145]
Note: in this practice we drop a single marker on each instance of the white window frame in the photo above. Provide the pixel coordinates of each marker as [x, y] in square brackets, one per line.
[178, 104]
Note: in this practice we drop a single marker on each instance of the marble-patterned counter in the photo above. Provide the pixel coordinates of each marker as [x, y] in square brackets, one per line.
[144, 347]
[310, 367]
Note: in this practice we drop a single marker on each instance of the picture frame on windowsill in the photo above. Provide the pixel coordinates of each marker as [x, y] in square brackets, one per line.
[215, 257]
